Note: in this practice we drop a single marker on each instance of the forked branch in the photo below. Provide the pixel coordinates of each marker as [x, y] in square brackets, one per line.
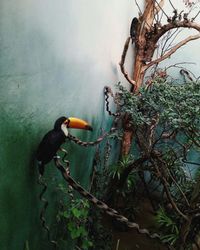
[172, 51]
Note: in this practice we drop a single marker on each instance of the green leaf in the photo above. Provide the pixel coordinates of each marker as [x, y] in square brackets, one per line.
[71, 226]
[75, 234]
[66, 214]
[76, 212]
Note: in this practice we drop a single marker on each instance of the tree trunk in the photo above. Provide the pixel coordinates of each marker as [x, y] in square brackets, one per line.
[145, 22]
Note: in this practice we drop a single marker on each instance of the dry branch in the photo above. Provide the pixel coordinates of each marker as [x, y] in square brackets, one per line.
[165, 185]
[178, 186]
[123, 57]
[172, 51]
[177, 24]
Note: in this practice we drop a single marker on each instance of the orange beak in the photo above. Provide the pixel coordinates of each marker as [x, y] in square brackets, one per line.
[73, 122]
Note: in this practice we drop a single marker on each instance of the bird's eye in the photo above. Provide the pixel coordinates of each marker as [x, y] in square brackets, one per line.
[67, 122]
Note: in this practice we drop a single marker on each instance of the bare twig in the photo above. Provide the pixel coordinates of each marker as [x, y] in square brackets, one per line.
[123, 57]
[172, 51]
[184, 196]
[169, 36]
[138, 7]
[172, 4]
[195, 16]
[160, 7]
[161, 16]
[175, 34]
[165, 184]
[117, 247]
[176, 65]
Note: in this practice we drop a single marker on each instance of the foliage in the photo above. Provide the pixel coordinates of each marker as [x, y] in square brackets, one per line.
[117, 169]
[170, 231]
[74, 214]
[165, 120]
[176, 104]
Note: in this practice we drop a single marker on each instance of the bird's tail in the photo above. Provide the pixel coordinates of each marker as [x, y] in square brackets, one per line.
[41, 168]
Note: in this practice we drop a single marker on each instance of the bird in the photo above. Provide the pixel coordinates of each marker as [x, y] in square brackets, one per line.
[133, 28]
[54, 138]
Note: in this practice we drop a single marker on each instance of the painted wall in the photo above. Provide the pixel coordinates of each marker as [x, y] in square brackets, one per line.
[55, 59]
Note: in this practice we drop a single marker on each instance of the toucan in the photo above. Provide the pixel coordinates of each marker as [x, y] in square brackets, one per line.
[53, 139]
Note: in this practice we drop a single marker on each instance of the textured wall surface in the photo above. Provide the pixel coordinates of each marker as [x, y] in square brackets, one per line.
[55, 59]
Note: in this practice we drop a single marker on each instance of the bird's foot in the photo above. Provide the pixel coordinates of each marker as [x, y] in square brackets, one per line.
[56, 157]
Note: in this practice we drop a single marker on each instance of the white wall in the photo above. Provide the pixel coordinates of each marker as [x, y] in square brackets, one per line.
[65, 51]
[189, 52]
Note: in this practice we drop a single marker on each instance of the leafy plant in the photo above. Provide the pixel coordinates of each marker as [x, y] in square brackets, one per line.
[117, 169]
[74, 215]
[164, 118]
[169, 227]
[176, 104]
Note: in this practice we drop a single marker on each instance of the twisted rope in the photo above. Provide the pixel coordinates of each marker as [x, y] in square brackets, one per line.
[107, 91]
[103, 206]
[86, 144]
[44, 208]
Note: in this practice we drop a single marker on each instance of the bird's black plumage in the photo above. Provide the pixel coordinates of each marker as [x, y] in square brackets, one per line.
[50, 144]
[133, 28]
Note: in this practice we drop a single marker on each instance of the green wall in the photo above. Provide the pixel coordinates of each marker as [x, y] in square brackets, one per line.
[55, 59]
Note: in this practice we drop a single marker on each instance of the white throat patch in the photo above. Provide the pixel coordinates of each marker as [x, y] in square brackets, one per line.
[64, 129]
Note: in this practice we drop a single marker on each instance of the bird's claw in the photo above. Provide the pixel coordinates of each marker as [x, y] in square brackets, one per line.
[56, 157]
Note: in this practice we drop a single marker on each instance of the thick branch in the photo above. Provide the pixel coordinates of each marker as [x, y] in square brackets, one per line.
[177, 24]
[123, 57]
[148, 15]
[172, 51]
